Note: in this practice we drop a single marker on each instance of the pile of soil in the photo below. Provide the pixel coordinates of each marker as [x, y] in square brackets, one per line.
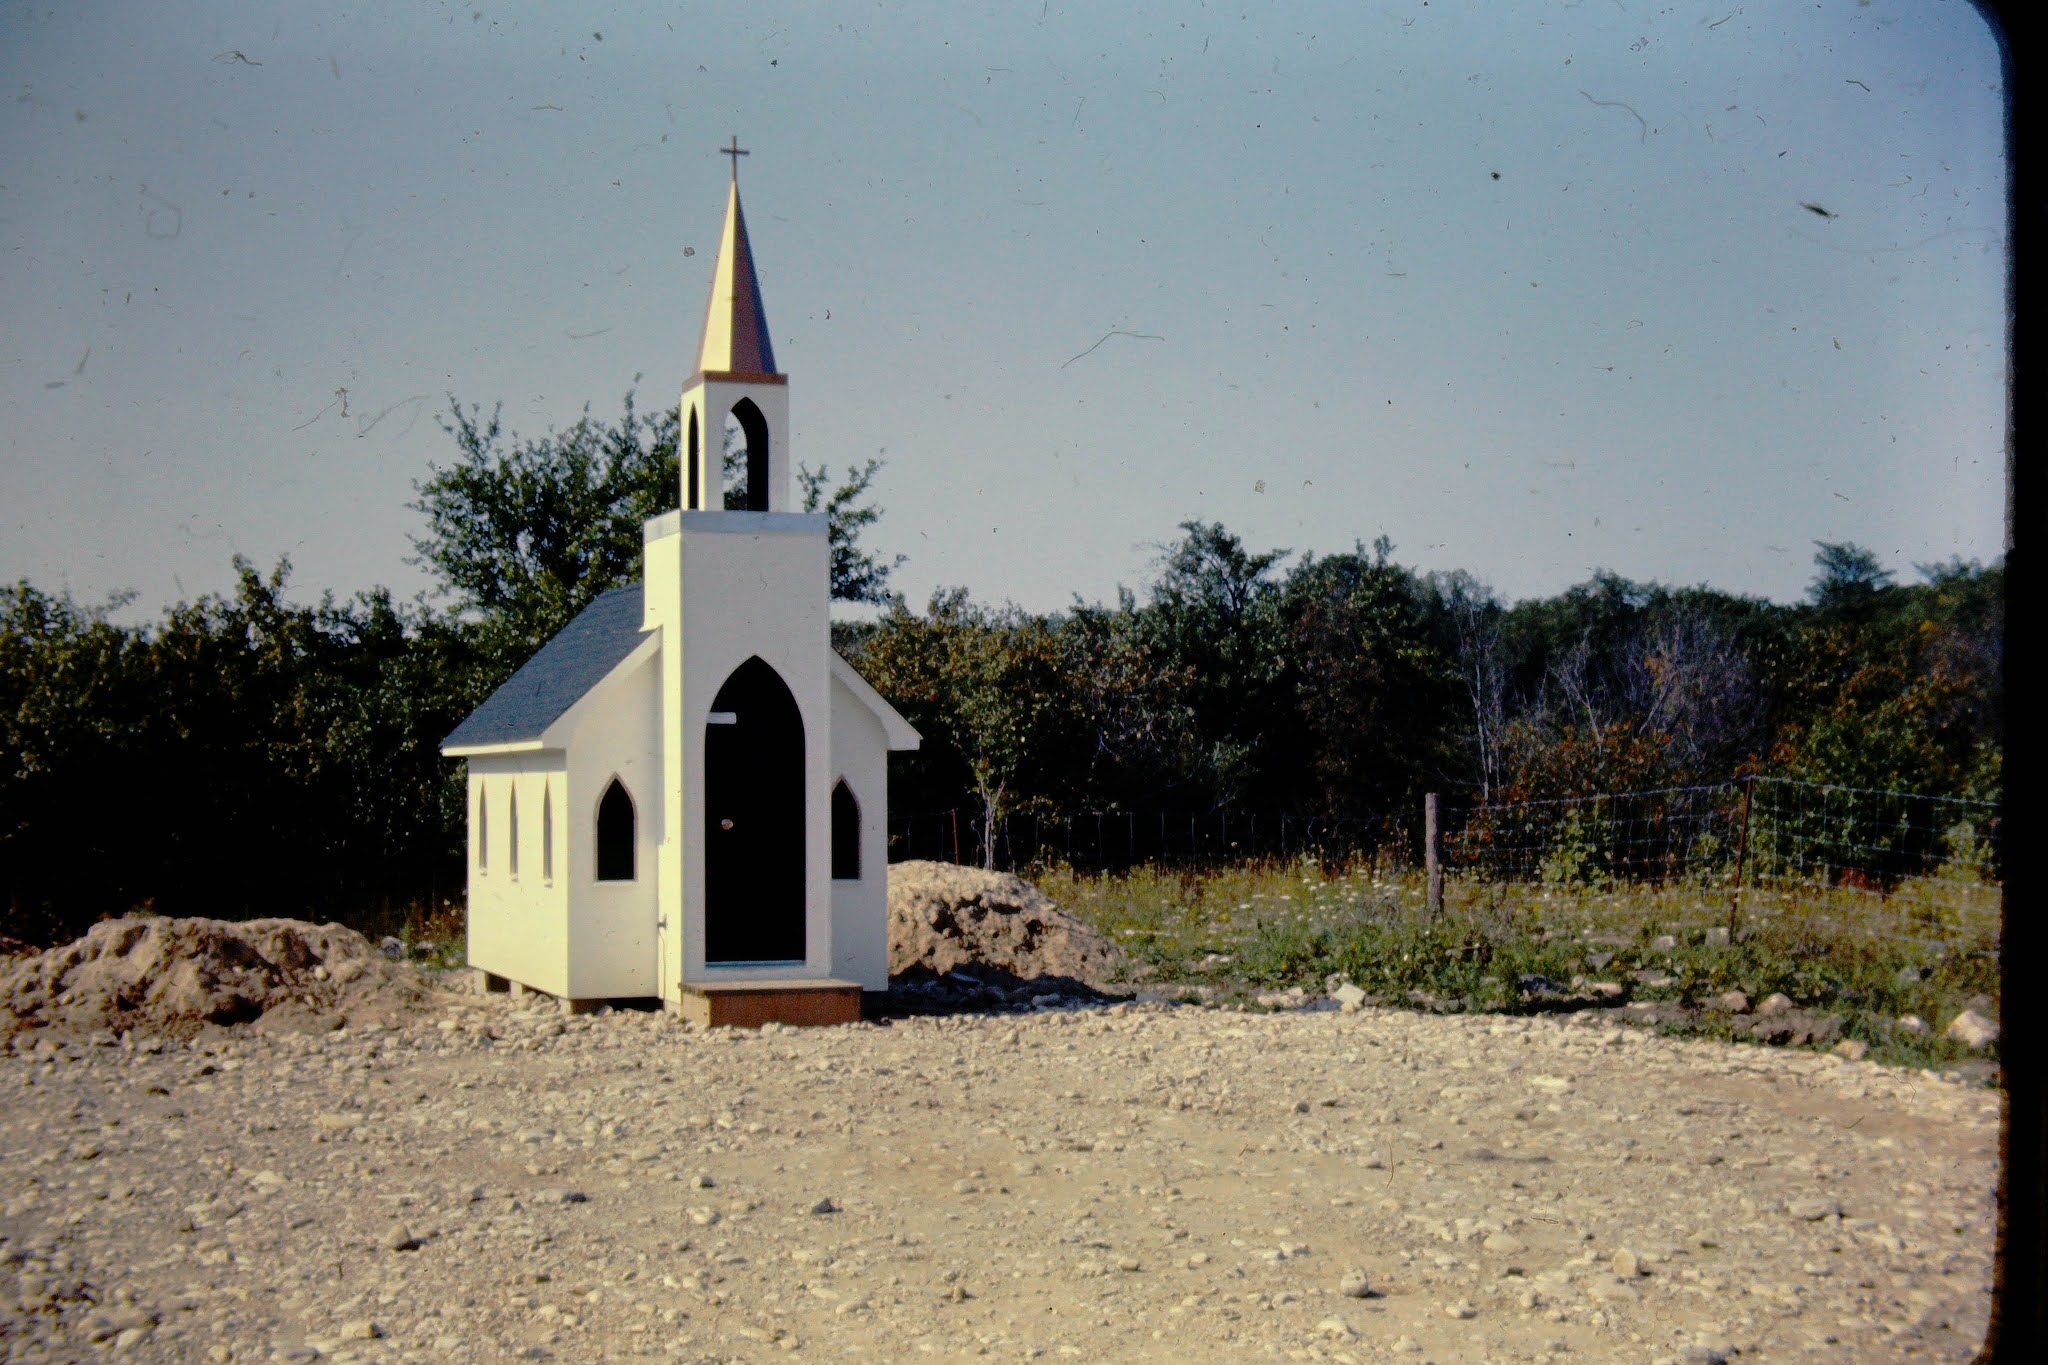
[172, 977]
[991, 933]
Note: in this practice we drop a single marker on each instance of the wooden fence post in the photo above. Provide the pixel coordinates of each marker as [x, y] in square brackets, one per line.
[1741, 854]
[1431, 861]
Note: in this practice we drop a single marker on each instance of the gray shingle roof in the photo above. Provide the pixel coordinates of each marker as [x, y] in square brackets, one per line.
[552, 681]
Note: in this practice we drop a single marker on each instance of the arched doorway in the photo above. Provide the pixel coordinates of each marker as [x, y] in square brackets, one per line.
[754, 820]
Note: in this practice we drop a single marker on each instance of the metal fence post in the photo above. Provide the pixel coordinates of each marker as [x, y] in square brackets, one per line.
[1431, 862]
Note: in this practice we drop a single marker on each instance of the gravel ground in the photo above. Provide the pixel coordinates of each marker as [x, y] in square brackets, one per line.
[488, 1182]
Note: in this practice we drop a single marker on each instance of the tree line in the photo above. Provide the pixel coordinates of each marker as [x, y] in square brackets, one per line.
[1349, 685]
[244, 754]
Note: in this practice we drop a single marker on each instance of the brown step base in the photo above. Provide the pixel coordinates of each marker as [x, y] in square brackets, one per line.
[750, 1004]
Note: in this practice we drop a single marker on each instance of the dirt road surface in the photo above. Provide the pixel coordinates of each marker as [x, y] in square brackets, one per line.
[492, 1182]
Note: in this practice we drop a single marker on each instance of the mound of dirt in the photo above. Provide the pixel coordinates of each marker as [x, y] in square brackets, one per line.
[993, 930]
[171, 977]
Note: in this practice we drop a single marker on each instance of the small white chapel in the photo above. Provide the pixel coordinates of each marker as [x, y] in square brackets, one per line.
[684, 794]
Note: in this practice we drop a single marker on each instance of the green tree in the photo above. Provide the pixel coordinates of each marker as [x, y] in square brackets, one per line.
[986, 687]
[1849, 574]
[1898, 686]
[241, 755]
[522, 534]
[857, 574]
[1137, 746]
[1210, 618]
[1374, 701]
[74, 692]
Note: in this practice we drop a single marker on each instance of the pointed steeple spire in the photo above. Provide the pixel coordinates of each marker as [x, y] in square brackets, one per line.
[735, 380]
[736, 344]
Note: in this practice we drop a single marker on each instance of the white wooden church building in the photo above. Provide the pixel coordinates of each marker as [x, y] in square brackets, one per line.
[684, 794]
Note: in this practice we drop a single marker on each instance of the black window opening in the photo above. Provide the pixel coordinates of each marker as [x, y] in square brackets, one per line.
[615, 834]
[512, 834]
[483, 828]
[693, 480]
[845, 834]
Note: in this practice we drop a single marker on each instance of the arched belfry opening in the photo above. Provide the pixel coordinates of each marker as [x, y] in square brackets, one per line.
[693, 474]
[616, 834]
[754, 820]
[747, 428]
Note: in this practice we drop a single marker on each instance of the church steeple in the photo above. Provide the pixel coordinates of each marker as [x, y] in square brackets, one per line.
[736, 344]
[735, 376]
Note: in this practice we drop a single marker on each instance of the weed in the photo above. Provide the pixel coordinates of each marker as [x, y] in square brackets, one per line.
[435, 935]
[1236, 930]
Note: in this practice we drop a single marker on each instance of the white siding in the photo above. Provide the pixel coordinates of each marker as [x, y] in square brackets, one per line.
[518, 926]
[860, 909]
[612, 930]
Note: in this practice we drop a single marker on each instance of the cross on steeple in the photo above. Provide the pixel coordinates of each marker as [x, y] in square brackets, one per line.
[735, 151]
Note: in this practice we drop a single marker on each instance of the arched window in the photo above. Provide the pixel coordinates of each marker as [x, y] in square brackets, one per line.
[483, 828]
[615, 834]
[547, 831]
[512, 833]
[845, 834]
[692, 478]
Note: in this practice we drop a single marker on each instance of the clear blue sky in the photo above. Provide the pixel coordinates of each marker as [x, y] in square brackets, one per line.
[1533, 289]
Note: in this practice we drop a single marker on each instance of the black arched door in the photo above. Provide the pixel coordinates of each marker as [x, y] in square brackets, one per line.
[754, 820]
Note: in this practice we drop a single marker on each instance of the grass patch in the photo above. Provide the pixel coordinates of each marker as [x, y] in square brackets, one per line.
[435, 937]
[1240, 930]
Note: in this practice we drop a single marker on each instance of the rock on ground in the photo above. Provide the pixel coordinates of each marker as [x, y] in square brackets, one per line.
[172, 977]
[946, 919]
[1973, 1030]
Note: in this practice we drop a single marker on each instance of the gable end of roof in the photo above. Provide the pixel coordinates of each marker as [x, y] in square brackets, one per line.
[898, 732]
[577, 659]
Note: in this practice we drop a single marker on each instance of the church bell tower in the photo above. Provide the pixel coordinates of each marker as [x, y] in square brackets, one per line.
[735, 376]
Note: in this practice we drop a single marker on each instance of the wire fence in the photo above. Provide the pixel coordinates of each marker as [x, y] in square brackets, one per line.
[1751, 852]
[1797, 857]
[1113, 841]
